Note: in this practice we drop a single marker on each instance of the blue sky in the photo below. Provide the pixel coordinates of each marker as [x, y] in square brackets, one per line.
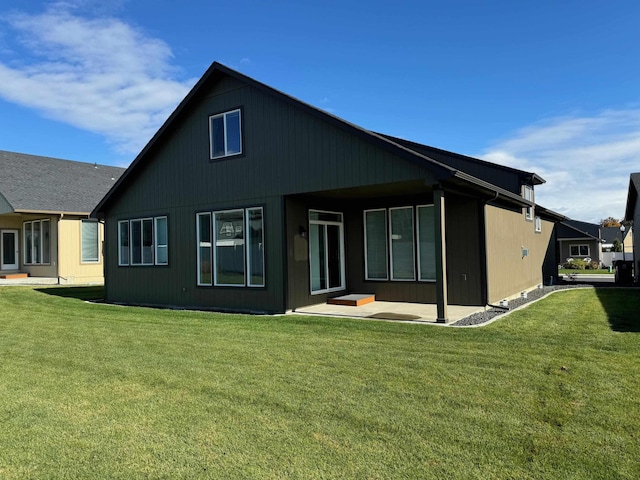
[545, 86]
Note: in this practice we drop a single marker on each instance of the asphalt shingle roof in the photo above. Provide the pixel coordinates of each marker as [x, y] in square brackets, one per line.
[43, 184]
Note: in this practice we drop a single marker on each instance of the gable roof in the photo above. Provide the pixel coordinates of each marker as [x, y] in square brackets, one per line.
[577, 229]
[632, 196]
[34, 184]
[216, 71]
[481, 168]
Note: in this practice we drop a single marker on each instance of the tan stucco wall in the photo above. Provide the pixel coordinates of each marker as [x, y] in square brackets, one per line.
[71, 268]
[65, 237]
[15, 222]
[508, 272]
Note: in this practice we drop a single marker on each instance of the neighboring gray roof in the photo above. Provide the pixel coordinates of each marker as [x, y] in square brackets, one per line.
[609, 234]
[29, 183]
[578, 229]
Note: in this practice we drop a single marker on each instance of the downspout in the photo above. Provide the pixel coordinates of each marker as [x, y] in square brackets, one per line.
[58, 247]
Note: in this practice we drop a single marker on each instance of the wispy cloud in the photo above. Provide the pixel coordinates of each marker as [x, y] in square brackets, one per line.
[97, 74]
[585, 160]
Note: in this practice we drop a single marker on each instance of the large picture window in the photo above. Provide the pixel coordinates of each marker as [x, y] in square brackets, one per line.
[143, 241]
[225, 133]
[391, 243]
[90, 238]
[37, 242]
[230, 248]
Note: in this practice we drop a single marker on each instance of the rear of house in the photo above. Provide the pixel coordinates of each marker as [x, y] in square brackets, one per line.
[249, 200]
[45, 229]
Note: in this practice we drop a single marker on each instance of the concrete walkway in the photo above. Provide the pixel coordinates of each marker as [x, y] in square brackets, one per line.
[397, 311]
[28, 281]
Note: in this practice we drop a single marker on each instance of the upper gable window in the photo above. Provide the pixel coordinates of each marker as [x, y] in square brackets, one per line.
[528, 195]
[225, 134]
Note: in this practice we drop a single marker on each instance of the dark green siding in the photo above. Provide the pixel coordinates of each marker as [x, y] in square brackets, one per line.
[465, 259]
[286, 151]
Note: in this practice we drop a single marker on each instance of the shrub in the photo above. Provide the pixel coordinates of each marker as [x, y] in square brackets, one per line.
[574, 264]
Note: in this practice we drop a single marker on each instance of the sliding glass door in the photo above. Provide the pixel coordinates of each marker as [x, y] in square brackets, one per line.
[326, 251]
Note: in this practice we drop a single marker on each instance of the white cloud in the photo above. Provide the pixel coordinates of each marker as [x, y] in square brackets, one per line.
[97, 74]
[585, 160]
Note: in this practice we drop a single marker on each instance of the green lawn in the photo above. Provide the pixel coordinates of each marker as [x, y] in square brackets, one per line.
[602, 271]
[99, 391]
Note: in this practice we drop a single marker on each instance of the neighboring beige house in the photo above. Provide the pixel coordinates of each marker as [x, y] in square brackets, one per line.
[45, 230]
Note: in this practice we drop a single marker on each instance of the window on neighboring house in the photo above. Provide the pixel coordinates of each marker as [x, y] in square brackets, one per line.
[225, 132]
[230, 248]
[90, 241]
[579, 250]
[528, 195]
[37, 242]
[538, 224]
[390, 239]
[143, 241]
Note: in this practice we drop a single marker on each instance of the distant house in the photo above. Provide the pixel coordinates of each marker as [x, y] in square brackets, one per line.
[632, 215]
[247, 199]
[609, 235]
[579, 240]
[45, 229]
[584, 240]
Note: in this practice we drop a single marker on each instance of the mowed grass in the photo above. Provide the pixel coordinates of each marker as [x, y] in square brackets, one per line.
[99, 391]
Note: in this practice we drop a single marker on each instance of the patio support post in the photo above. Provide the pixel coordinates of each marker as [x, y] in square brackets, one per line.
[441, 257]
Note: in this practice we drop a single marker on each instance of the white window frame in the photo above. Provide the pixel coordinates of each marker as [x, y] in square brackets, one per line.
[157, 244]
[248, 282]
[224, 116]
[366, 254]
[340, 225]
[413, 240]
[84, 222]
[528, 195]
[208, 245]
[417, 245]
[154, 242]
[538, 224]
[247, 243]
[32, 243]
[215, 249]
[122, 261]
[578, 246]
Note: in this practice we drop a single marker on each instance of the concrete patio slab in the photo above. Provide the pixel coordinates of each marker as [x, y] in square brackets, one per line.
[391, 311]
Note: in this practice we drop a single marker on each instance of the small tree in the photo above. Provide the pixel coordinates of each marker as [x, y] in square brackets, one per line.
[609, 222]
[617, 245]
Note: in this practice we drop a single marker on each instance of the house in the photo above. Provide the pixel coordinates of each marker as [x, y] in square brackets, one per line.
[248, 199]
[632, 216]
[45, 229]
[609, 235]
[579, 240]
